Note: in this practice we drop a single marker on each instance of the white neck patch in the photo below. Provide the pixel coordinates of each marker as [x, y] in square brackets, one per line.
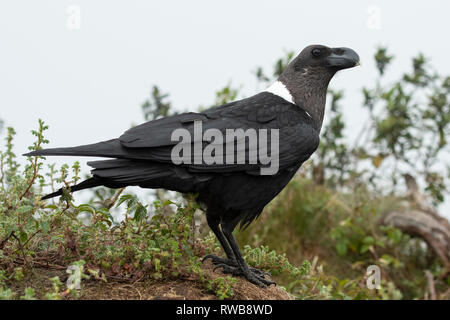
[278, 88]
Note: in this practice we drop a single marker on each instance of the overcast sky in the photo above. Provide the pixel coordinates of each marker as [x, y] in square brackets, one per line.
[87, 77]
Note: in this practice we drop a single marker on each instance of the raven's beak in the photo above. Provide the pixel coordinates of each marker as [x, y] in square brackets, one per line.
[343, 58]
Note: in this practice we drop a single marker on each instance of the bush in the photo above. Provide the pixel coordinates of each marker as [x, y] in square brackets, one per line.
[341, 232]
[161, 242]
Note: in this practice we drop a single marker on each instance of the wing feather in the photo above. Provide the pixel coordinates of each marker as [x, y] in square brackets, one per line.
[297, 137]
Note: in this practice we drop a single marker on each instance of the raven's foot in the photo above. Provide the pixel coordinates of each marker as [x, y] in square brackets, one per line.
[219, 262]
[253, 275]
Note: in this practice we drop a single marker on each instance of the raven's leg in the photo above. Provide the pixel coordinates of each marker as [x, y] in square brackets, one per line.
[231, 261]
[255, 277]
[213, 223]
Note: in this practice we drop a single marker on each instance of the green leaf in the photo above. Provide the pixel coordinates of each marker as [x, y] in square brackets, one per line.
[107, 214]
[45, 226]
[23, 236]
[368, 240]
[140, 213]
[86, 208]
[341, 248]
[123, 198]
[24, 209]
[380, 243]
[167, 202]
[11, 228]
[365, 248]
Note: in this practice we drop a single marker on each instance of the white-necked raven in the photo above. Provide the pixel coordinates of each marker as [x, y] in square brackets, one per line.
[232, 192]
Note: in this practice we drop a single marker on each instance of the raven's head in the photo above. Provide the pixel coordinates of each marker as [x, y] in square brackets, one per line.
[307, 76]
[321, 57]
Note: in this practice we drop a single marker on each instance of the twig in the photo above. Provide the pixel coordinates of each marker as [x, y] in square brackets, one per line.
[32, 179]
[3, 243]
[133, 287]
[36, 158]
[114, 199]
[31, 237]
[20, 247]
[47, 265]
[120, 279]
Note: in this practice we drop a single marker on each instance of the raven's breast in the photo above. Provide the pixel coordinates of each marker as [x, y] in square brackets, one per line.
[241, 192]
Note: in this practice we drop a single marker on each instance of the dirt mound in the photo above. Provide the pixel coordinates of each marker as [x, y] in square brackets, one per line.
[176, 289]
[179, 289]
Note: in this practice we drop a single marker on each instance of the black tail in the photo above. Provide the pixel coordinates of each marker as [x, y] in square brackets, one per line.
[89, 183]
[110, 149]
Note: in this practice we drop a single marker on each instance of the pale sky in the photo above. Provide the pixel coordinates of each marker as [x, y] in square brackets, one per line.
[87, 83]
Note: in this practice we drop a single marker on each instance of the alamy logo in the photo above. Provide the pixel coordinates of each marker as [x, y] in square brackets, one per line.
[73, 21]
[374, 17]
[74, 280]
[235, 146]
[373, 273]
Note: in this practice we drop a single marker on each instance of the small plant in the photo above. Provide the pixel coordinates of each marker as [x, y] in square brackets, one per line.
[222, 287]
[266, 259]
[55, 294]
[29, 294]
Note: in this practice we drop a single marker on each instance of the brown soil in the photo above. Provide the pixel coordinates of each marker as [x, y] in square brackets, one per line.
[177, 289]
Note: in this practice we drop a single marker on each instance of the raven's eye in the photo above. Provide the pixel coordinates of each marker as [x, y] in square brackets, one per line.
[316, 52]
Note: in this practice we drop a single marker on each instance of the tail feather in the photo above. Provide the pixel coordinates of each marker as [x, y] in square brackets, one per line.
[110, 149]
[89, 183]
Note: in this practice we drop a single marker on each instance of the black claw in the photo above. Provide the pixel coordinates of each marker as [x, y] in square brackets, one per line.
[256, 280]
[218, 260]
[227, 269]
[253, 275]
[218, 266]
[268, 282]
[260, 272]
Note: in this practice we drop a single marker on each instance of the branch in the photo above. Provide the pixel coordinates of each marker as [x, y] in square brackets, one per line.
[428, 225]
[430, 282]
[114, 199]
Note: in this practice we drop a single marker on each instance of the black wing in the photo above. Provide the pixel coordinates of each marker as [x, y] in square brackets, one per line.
[297, 137]
[144, 152]
[152, 141]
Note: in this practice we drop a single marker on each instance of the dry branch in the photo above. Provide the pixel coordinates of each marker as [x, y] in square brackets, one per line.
[428, 225]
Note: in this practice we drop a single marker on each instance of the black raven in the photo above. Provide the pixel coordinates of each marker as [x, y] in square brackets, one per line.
[236, 191]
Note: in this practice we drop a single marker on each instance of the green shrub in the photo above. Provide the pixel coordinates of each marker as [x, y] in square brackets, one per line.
[337, 231]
